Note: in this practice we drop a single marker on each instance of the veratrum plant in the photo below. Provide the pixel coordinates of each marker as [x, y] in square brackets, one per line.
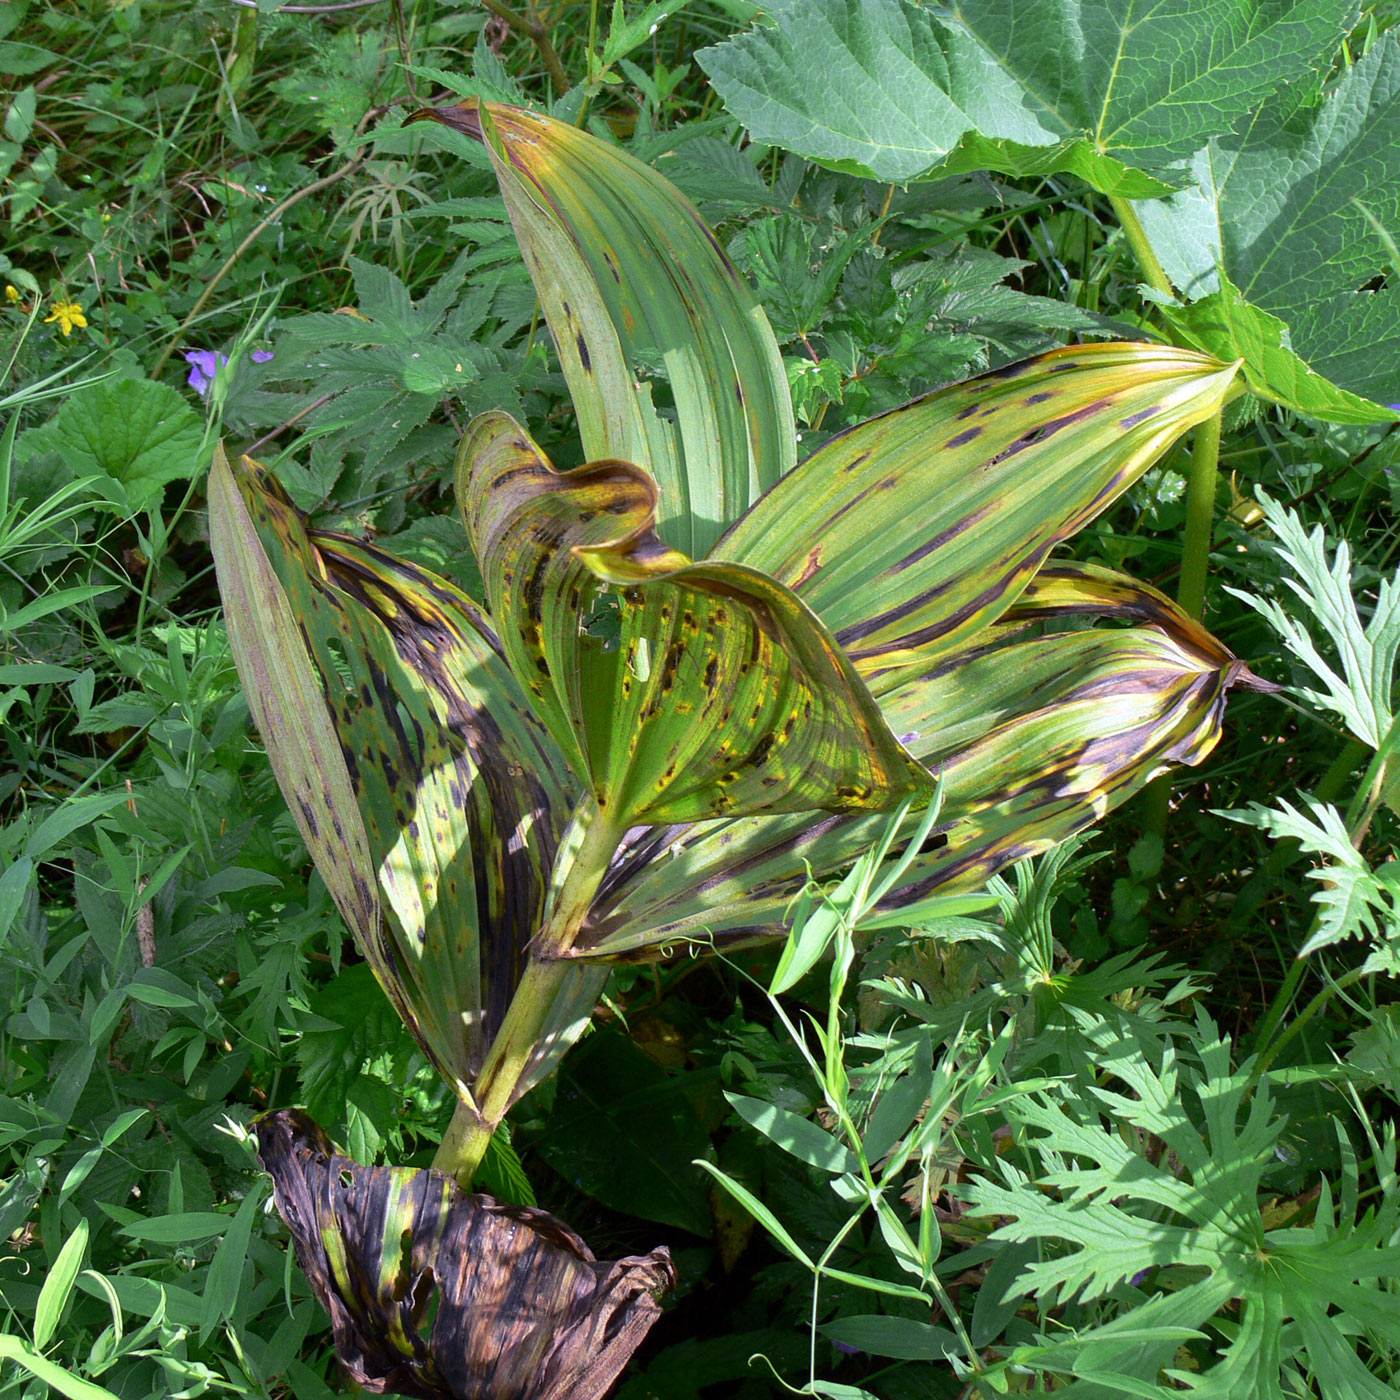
[501, 802]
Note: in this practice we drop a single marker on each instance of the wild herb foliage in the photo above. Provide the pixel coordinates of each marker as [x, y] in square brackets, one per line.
[1074, 1131]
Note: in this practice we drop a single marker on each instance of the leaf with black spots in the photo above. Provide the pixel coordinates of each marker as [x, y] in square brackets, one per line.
[910, 533]
[724, 695]
[425, 778]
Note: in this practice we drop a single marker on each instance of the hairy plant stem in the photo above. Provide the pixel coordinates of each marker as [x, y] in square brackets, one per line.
[584, 852]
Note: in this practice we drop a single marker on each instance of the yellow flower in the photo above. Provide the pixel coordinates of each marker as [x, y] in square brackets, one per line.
[68, 314]
[11, 293]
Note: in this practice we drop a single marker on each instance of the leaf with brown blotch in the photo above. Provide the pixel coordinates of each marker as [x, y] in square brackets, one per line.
[459, 791]
[629, 278]
[1033, 738]
[911, 532]
[725, 695]
[440, 1295]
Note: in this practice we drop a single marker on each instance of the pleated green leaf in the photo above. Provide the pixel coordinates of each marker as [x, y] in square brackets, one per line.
[633, 283]
[1033, 738]
[908, 534]
[441, 1295]
[723, 695]
[445, 790]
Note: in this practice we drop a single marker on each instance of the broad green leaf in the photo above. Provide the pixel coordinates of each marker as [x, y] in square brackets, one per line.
[1032, 738]
[438, 1294]
[910, 533]
[135, 435]
[724, 694]
[1224, 324]
[1113, 92]
[425, 741]
[633, 284]
[1292, 207]
[624, 1131]
[58, 1285]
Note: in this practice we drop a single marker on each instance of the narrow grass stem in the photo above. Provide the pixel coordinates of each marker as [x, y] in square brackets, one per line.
[1269, 1055]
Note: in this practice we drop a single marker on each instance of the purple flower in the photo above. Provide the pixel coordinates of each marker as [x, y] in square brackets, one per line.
[205, 364]
[844, 1347]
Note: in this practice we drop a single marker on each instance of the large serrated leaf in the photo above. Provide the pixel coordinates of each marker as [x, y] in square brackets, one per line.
[458, 794]
[1225, 324]
[629, 277]
[724, 694]
[1115, 92]
[1294, 207]
[909, 533]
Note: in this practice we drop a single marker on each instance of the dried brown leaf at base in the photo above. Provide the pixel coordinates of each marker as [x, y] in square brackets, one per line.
[513, 1303]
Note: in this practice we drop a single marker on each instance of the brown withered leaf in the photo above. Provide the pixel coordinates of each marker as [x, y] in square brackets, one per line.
[513, 1304]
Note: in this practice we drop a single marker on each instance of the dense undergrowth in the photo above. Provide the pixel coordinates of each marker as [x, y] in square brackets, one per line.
[1183, 1137]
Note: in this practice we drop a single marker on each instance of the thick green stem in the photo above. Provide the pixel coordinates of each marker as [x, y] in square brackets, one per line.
[463, 1145]
[1200, 514]
[1191, 590]
[584, 853]
[1152, 271]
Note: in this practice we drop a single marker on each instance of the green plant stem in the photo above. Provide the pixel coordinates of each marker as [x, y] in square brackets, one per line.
[1152, 271]
[1195, 557]
[584, 854]
[1200, 514]
[1268, 1056]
